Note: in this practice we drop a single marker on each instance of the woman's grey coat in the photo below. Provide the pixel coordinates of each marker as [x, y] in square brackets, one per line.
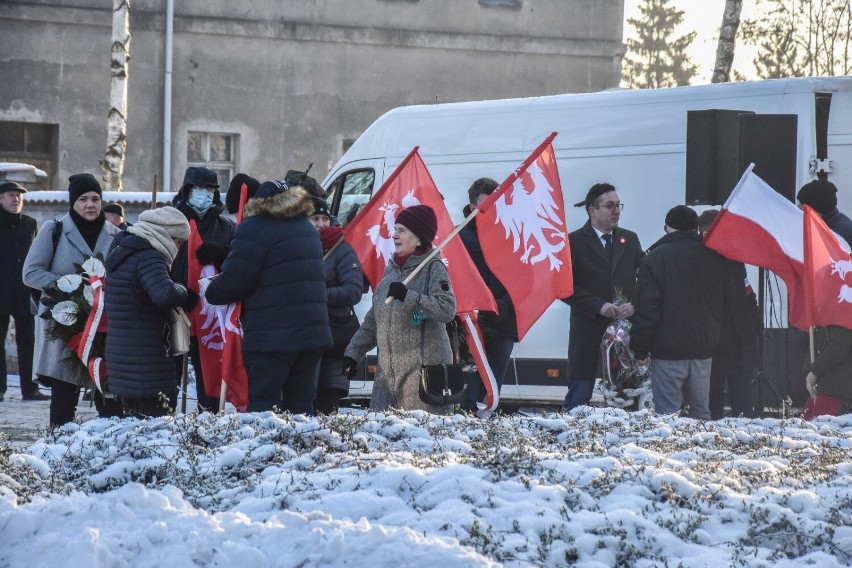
[44, 266]
[389, 327]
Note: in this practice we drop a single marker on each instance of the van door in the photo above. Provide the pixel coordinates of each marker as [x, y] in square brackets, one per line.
[353, 187]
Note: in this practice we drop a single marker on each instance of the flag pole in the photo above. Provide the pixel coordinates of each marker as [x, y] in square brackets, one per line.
[501, 189]
[435, 250]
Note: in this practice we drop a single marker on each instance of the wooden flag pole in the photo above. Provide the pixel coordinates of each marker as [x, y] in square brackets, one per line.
[437, 249]
[154, 193]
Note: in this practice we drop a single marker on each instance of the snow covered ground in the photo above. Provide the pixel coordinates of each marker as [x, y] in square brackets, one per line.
[596, 487]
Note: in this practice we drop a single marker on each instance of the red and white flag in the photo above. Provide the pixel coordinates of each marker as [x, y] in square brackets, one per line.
[219, 334]
[828, 269]
[371, 233]
[524, 236]
[758, 226]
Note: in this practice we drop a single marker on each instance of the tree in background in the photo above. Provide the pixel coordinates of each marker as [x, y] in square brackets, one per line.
[727, 41]
[657, 59]
[798, 38]
[112, 166]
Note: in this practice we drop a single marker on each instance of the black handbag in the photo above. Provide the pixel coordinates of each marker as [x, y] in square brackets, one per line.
[445, 383]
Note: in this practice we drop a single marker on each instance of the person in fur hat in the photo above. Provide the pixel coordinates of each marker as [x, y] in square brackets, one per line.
[199, 200]
[138, 298]
[411, 330]
[274, 266]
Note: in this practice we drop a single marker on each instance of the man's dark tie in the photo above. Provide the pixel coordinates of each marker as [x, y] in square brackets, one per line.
[608, 244]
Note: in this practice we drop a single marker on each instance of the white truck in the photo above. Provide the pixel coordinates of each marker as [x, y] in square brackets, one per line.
[634, 139]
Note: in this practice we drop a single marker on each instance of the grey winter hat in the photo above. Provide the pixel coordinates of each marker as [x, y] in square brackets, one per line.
[172, 220]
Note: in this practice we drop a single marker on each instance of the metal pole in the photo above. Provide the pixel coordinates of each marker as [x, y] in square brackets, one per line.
[167, 97]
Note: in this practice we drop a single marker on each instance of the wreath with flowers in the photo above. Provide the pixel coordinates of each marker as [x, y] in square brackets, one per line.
[74, 308]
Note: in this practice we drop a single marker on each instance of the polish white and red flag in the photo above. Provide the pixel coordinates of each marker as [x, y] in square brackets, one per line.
[370, 234]
[758, 226]
[524, 236]
[828, 270]
[218, 331]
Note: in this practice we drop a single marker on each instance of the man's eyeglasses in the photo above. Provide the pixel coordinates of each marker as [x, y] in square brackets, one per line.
[613, 207]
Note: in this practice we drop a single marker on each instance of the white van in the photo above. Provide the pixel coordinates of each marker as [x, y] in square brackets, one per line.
[634, 139]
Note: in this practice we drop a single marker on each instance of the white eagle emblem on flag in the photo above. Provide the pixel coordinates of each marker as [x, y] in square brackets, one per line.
[531, 218]
[381, 234]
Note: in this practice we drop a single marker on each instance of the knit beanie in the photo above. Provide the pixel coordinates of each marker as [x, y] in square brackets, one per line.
[232, 197]
[159, 227]
[420, 220]
[78, 184]
[682, 218]
[819, 194]
[320, 207]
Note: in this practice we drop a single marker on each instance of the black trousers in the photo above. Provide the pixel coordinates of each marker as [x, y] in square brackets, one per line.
[287, 379]
[63, 401]
[25, 341]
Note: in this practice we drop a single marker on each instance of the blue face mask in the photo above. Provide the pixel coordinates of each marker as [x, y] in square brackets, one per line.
[200, 199]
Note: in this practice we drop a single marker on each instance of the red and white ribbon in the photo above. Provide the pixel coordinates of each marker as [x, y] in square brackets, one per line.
[95, 314]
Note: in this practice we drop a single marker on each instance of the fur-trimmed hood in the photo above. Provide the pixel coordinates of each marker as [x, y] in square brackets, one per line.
[288, 204]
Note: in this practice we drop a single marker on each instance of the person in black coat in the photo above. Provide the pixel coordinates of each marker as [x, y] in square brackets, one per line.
[344, 282]
[17, 233]
[604, 260]
[821, 195]
[680, 297]
[499, 330]
[138, 298]
[200, 201]
[737, 356]
[274, 265]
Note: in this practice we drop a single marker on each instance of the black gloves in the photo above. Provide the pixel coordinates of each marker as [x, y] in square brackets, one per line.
[191, 300]
[211, 253]
[350, 366]
[397, 290]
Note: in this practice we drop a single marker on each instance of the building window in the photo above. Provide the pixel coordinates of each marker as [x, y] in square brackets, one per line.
[214, 150]
[30, 143]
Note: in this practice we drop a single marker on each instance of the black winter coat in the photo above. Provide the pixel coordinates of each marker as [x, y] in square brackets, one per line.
[833, 363]
[840, 224]
[212, 228]
[680, 295]
[596, 282]
[17, 233]
[274, 266]
[138, 298]
[742, 322]
[344, 282]
[500, 324]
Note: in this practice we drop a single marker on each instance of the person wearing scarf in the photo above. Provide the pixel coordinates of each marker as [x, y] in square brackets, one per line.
[139, 296]
[410, 331]
[83, 233]
[344, 283]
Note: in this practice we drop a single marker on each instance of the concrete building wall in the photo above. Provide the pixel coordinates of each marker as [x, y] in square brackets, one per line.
[292, 80]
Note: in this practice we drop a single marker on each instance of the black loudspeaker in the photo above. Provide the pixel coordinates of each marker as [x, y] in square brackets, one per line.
[720, 144]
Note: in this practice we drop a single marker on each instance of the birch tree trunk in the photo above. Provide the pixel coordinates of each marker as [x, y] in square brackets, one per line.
[113, 163]
[727, 41]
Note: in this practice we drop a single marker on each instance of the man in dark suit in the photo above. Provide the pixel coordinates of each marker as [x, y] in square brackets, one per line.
[17, 232]
[604, 258]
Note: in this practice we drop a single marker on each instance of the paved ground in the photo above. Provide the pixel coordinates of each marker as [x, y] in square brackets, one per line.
[23, 420]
